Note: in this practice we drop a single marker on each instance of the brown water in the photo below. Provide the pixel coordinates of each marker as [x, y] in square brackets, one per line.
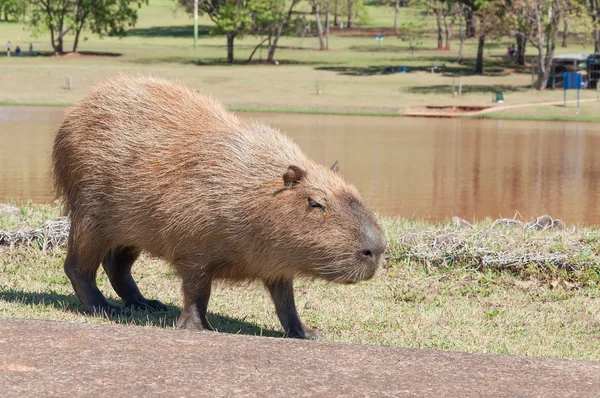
[414, 168]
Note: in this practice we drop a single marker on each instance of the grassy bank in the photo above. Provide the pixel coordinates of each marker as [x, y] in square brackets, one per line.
[587, 112]
[438, 290]
[351, 77]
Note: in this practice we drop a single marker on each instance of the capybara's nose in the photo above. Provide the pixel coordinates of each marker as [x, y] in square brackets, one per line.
[375, 246]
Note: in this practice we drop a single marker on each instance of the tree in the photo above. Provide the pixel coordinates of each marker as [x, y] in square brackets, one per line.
[396, 13]
[462, 26]
[63, 17]
[355, 11]
[472, 7]
[543, 17]
[437, 7]
[451, 12]
[12, 10]
[593, 9]
[316, 10]
[523, 32]
[270, 18]
[412, 33]
[490, 14]
[565, 32]
[232, 18]
[349, 9]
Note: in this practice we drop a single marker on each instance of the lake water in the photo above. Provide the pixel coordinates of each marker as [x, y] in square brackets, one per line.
[415, 168]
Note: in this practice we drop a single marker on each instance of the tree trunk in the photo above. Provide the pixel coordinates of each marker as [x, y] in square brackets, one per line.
[349, 14]
[230, 38]
[319, 25]
[327, 25]
[448, 29]
[59, 46]
[521, 46]
[438, 20]
[462, 37]
[282, 23]
[396, 13]
[470, 22]
[597, 39]
[76, 42]
[335, 13]
[565, 34]
[479, 64]
[546, 39]
[52, 39]
[257, 47]
[543, 72]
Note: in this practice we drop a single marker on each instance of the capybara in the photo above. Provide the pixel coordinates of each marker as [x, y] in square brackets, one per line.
[145, 164]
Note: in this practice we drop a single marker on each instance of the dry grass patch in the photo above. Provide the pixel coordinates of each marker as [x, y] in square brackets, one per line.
[458, 305]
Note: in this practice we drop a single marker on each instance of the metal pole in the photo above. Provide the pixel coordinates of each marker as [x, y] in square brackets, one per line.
[195, 23]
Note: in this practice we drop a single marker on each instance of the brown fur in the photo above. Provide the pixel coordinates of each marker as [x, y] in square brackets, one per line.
[144, 164]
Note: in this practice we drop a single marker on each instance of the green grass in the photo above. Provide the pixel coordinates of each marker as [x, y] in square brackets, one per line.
[587, 112]
[410, 303]
[350, 76]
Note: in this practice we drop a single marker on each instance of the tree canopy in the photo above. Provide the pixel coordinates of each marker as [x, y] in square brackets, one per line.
[64, 17]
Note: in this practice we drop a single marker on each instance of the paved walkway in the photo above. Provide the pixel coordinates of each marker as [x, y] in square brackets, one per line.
[39, 358]
[432, 112]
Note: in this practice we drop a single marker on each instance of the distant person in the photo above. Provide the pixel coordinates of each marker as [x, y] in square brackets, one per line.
[18, 51]
[31, 48]
[511, 50]
[8, 47]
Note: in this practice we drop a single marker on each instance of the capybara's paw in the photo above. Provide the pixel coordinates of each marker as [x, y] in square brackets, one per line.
[313, 334]
[190, 322]
[305, 333]
[147, 305]
[109, 310]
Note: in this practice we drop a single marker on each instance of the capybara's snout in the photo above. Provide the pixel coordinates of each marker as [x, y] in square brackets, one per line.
[374, 247]
[369, 257]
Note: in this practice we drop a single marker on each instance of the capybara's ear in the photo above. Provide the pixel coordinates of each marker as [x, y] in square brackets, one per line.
[293, 176]
[335, 167]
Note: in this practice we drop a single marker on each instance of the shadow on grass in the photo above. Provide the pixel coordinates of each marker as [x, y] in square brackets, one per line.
[354, 70]
[67, 54]
[164, 319]
[212, 61]
[492, 67]
[169, 31]
[182, 61]
[466, 89]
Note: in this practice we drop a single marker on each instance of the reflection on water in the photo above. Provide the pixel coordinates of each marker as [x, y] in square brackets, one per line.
[414, 168]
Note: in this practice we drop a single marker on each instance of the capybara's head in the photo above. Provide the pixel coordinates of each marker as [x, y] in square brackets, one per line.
[328, 230]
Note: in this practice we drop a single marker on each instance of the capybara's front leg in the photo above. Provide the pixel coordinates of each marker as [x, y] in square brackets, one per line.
[196, 294]
[282, 293]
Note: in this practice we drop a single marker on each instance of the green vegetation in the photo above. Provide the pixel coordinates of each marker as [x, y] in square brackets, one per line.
[588, 112]
[351, 77]
[446, 303]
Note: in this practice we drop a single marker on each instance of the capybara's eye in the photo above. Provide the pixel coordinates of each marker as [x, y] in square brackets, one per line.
[315, 205]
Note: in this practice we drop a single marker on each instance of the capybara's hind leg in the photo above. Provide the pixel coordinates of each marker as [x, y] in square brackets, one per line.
[117, 265]
[81, 267]
[196, 295]
[282, 293]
